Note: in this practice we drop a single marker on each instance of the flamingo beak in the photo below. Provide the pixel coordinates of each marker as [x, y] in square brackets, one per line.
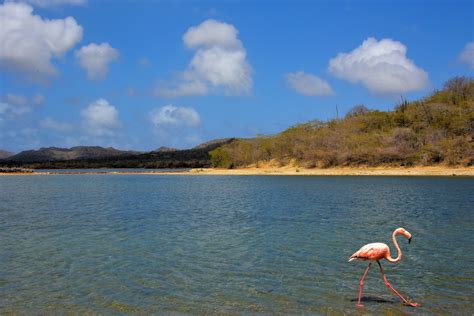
[409, 240]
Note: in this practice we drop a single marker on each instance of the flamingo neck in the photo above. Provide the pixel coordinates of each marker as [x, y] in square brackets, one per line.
[399, 251]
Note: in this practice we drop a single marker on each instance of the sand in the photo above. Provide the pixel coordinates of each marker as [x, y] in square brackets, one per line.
[369, 171]
[296, 171]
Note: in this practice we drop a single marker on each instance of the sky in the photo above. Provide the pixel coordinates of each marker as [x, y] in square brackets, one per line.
[144, 74]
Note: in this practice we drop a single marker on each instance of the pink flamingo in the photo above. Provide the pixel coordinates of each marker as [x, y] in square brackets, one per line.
[377, 251]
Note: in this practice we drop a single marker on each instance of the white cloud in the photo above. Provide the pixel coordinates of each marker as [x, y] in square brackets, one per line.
[218, 65]
[38, 98]
[308, 84]
[182, 88]
[29, 42]
[222, 68]
[467, 55]
[101, 118]
[55, 3]
[170, 115]
[381, 66]
[15, 99]
[175, 126]
[95, 59]
[49, 123]
[10, 111]
[14, 105]
[4, 107]
[212, 33]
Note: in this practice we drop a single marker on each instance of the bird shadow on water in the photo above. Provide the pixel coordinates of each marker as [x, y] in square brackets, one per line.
[375, 299]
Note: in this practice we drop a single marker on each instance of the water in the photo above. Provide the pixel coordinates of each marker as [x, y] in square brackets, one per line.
[217, 244]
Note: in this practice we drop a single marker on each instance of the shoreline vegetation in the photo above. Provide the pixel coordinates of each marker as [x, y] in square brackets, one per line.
[16, 171]
[290, 170]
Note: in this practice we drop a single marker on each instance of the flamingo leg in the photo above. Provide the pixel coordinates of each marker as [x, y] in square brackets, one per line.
[395, 291]
[361, 284]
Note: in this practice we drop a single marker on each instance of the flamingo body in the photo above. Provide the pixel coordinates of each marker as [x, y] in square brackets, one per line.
[373, 251]
[376, 252]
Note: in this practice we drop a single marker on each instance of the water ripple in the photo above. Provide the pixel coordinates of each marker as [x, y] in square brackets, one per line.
[231, 245]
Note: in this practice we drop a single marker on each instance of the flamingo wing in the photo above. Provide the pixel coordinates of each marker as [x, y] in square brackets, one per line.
[374, 251]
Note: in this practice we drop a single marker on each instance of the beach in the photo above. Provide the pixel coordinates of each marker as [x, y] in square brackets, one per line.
[368, 171]
[283, 171]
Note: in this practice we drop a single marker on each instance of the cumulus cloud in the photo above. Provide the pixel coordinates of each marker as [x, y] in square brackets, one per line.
[8, 110]
[222, 68]
[181, 88]
[467, 55]
[381, 66]
[38, 99]
[14, 105]
[15, 99]
[212, 33]
[175, 126]
[28, 42]
[49, 123]
[95, 59]
[56, 3]
[170, 115]
[218, 65]
[101, 118]
[308, 84]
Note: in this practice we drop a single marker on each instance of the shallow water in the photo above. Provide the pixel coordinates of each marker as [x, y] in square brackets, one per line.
[220, 244]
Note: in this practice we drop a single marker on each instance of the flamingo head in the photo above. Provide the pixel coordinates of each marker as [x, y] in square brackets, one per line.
[404, 232]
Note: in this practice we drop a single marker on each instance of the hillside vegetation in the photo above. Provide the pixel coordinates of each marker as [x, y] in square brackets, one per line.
[438, 129]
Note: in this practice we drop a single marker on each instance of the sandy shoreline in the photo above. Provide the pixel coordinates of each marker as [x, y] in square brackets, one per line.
[376, 171]
[289, 171]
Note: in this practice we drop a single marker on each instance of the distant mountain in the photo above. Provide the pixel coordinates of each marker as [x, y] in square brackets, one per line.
[163, 149]
[5, 154]
[79, 152]
[212, 144]
[98, 157]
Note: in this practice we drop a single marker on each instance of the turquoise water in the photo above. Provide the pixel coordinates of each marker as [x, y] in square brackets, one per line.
[219, 244]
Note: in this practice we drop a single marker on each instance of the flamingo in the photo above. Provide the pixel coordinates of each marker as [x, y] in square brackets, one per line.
[376, 252]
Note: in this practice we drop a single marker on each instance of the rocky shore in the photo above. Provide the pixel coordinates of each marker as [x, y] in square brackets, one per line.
[16, 170]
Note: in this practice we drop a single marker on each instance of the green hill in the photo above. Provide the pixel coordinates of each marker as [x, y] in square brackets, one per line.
[438, 129]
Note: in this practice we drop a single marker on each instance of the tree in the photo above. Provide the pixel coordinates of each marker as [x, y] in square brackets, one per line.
[357, 110]
[459, 88]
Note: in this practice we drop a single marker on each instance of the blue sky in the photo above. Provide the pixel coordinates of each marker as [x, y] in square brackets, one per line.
[140, 75]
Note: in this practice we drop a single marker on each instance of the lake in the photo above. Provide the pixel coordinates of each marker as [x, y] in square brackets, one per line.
[232, 244]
